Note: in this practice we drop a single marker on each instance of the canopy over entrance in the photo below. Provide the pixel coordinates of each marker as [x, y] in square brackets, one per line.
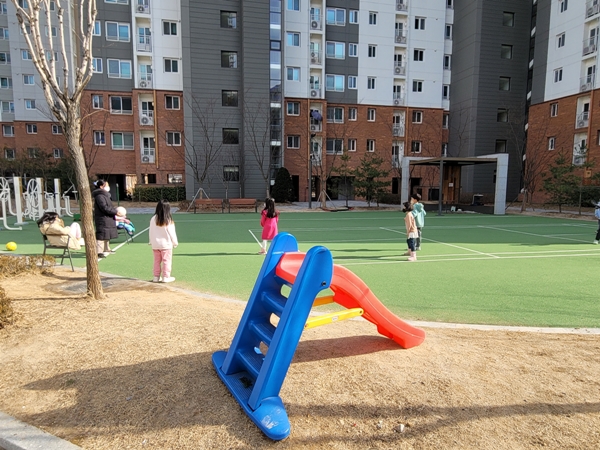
[450, 169]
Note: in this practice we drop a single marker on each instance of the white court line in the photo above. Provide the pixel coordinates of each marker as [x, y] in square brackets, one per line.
[531, 234]
[130, 238]
[451, 245]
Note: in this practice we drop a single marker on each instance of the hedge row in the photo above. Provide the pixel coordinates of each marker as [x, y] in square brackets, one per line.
[156, 193]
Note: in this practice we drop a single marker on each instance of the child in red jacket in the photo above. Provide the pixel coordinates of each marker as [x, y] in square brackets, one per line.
[268, 221]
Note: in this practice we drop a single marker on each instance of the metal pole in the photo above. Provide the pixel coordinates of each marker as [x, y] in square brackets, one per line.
[441, 187]
[117, 184]
[310, 153]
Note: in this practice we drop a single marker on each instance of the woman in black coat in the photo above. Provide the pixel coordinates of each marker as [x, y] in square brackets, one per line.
[104, 218]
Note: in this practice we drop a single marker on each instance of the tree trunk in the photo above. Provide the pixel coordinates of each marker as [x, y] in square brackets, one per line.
[73, 134]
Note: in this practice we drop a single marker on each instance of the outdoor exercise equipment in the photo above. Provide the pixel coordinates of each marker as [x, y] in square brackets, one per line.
[34, 207]
[255, 366]
[6, 200]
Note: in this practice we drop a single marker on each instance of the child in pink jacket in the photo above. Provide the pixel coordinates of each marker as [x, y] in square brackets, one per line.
[163, 240]
[268, 221]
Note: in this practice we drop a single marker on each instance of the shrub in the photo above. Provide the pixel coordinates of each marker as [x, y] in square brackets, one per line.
[145, 193]
[390, 199]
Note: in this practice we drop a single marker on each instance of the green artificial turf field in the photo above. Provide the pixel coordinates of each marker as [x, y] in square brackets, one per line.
[504, 270]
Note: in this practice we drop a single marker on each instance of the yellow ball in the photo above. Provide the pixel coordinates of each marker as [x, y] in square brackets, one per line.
[11, 246]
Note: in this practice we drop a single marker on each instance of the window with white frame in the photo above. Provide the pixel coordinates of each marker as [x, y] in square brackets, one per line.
[560, 40]
[173, 138]
[33, 152]
[446, 91]
[58, 153]
[121, 140]
[28, 80]
[372, 51]
[334, 146]
[171, 65]
[293, 73]
[372, 18]
[293, 108]
[553, 109]
[419, 23]
[415, 146]
[353, 50]
[371, 114]
[563, 4]
[57, 129]
[293, 142]
[99, 138]
[335, 16]
[8, 107]
[351, 145]
[417, 117]
[23, 4]
[97, 101]
[120, 105]
[176, 178]
[558, 75]
[371, 82]
[335, 114]
[352, 113]
[418, 54]
[8, 130]
[448, 32]
[4, 33]
[293, 5]
[31, 128]
[10, 153]
[352, 16]
[6, 83]
[352, 82]
[3, 8]
[171, 102]
[97, 65]
[119, 68]
[293, 39]
[417, 86]
[169, 28]
[97, 28]
[54, 31]
[51, 56]
[335, 50]
[334, 83]
[4, 58]
[117, 31]
[370, 145]
[552, 143]
[30, 103]
[26, 55]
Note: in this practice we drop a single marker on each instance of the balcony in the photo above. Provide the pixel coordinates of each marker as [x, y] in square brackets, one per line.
[315, 57]
[143, 8]
[315, 22]
[144, 43]
[146, 118]
[590, 45]
[582, 119]
[592, 8]
[399, 69]
[397, 130]
[400, 37]
[398, 100]
[402, 5]
[586, 83]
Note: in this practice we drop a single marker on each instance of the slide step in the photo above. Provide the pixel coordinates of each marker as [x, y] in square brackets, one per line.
[274, 301]
[333, 317]
[252, 361]
[264, 331]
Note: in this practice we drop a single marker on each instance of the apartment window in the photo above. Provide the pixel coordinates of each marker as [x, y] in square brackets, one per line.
[558, 75]
[370, 145]
[563, 5]
[372, 51]
[351, 145]
[229, 59]
[97, 28]
[415, 146]
[448, 32]
[4, 58]
[293, 142]
[54, 31]
[560, 40]
[122, 141]
[293, 73]
[352, 82]
[123, 2]
[293, 5]
[371, 82]
[335, 115]
[120, 105]
[372, 18]
[8, 130]
[171, 65]
[97, 65]
[352, 16]
[99, 138]
[3, 9]
[353, 50]
[33, 152]
[502, 115]
[500, 146]
[504, 84]
[229, 98]
[228, 19]
[58, 153]
[446, 91]
[29, 103]
[4, 33]
[553, 109]
[445, 121]
[171, 102]
[50, 56]
[169, 28]
[118, 68]
[6, 83]
[335, 16]
[293, 108]
[57, 129]
[116, 31]
[8, 107]
[175, 178]
[417, 117]
[508, 19]
[334, 146]
[293, 39]
[371, 114]
[506, 51]
[9, 153]
[173, 138]
[418, 54]
[97, 101]
[230, 173]
[417, 86]
[552, 143]
[335, 50]
[28, 80]
[419, 23]
[23, 4]
[231, 136]
[26, 55]
[449, 4]
[352, 113]
[447, 62]
[334, 83]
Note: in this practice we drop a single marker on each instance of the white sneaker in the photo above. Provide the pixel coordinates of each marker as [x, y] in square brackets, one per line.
[595, 242]
[168, 279]
[155, 279]
[417, 249]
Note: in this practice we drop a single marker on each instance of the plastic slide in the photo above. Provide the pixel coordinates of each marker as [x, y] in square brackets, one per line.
[351, 292]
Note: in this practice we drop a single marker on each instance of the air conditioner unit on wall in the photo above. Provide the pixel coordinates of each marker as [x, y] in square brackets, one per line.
[314, 25]
[145, 120]
[313, 128]
[397, 101]
[314, 93]
[141, 8]
[396, 131]
[143, 84]
[581, 124]
[145, 159]
[398, 70]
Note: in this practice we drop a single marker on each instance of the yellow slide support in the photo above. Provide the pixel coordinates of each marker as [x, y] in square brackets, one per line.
[333, 317]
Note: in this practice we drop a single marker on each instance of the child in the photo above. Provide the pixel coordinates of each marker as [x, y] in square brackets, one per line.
[268, 220]
[597, 215]
[163, 240]
[411, 230]
[419, 214]
[123, 223]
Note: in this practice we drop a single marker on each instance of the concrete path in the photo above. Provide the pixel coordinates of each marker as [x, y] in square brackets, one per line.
[16, 435]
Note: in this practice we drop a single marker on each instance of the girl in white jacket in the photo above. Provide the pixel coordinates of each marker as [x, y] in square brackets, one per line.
[163, 240]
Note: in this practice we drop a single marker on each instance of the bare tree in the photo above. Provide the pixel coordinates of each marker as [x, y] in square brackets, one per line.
[63, 88]
[257, 130]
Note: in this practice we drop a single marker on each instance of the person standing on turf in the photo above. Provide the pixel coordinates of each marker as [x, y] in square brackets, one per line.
[411, 230]
[269, 218]
[419, 214]
[163, 240]
[597, 215]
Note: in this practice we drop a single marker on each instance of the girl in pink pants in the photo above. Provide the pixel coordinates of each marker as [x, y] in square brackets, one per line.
[163, 240]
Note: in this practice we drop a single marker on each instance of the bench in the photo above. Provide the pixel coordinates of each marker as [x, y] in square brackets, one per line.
[242, 203]
[64, 248]
[207, 203]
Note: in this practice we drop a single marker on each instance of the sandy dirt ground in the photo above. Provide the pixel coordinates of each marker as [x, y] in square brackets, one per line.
[134, 371]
